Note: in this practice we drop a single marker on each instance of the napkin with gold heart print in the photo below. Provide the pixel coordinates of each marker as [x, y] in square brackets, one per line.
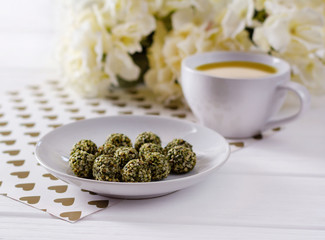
[26, 114]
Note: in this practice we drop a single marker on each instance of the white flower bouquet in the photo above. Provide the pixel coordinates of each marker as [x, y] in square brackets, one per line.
[120, 41]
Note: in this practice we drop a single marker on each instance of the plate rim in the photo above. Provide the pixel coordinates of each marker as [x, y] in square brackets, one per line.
[224, 160]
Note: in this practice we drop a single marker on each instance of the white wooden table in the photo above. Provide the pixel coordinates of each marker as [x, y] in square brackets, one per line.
[274, 189]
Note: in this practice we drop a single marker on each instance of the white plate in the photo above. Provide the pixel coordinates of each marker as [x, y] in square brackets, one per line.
[212, 150]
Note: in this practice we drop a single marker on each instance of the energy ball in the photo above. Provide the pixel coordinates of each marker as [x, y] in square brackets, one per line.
[125, 154]
[107, 168]
[177, 142]
[136, 171]
[158, 165]
[84, 145]
[81, 163]
[181, 159]
[146, 137]
[119, 140]
[149, 148]
[106, 149]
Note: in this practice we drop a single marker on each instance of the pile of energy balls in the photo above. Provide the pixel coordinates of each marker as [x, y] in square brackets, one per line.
[118, 161]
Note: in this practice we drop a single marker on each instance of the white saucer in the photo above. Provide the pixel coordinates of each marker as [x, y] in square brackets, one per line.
[212, 150]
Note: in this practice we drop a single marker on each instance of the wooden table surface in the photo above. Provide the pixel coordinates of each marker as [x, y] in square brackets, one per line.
[273, 189]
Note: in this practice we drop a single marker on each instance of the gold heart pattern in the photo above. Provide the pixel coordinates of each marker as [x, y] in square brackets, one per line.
[13, 93]
[94, 104]
[38, 94]
[46, 109]
[32, 134]
[54, 125]
[52, 117]
[33, 87]
[12, 152]
[179, 115]
[153, 113]
[125, 112]
[77, 118]
[99, 203]
[16, 163]
[237, 144]
[72, 216]
[26, 186]
[91, 193]
[100, 111]
[31, 199]
[112, 98]
[2, 124]
[145, 106]
[24, 174]
[42, 101]
[59, 188]
[20, 108]
[120, 104]
[68, 102]
[50, 176]
[171, 106]
[63, 96]
[138, 99]
[25, 116]
[8, 142]
[65, 201]
[28, 125]
[5, 133]
[17, 100]
[73, 110]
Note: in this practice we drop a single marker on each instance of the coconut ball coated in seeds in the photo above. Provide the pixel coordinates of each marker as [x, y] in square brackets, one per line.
[136, 170]
[177, 142]
[125, 154]
[119, 140]
[106, 149]
[181, 159]
[81, 163]
[149, 148]
[107, 168]
[84, 145]
[158, 165]
[146, 137]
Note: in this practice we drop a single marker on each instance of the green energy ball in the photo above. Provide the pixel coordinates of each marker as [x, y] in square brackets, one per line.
[149, 148]
[119, 140]
[106, 149]
[136, 171]
[181, 159]
[125, 154]
[158, 165]
[177, 142]
[146, 137]
[81, 163]
[85, 145]
[106, 168]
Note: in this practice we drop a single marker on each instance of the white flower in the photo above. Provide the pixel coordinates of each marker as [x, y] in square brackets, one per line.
[309, 71]
[159, 78]
[100, 37]
[238, 15]
[279, 30]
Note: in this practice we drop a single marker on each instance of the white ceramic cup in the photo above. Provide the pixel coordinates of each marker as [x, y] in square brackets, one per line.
[239, 108]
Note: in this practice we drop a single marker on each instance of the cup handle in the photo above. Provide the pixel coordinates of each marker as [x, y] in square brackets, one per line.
[304, 98]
